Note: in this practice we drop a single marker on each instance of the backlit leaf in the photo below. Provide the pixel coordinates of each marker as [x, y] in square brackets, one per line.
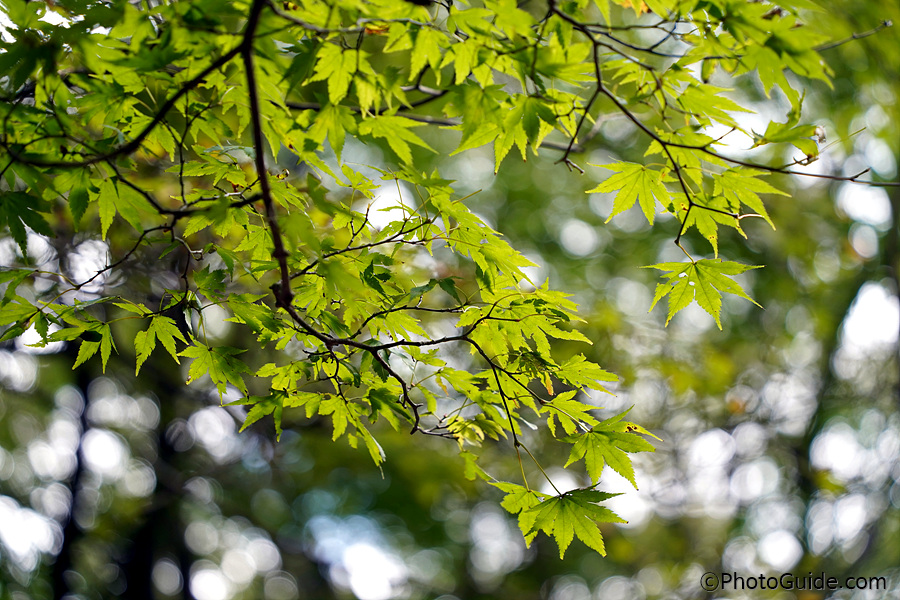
[634, 183]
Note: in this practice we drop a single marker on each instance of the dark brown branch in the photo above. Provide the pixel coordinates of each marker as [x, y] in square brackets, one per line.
[646, 49]
[856, 36]
[176, 214]
[394, 239]
[283, 294]
[493, 366]
[381, 313]
[403, 386]
[127, 255]
[750, 165]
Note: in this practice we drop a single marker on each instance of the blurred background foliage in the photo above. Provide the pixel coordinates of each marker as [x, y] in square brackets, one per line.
[781, 433]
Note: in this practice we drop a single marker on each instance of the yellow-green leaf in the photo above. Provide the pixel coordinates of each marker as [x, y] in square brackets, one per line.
[634, 183]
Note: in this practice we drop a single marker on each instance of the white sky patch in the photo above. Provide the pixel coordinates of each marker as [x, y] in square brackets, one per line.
[239, 567]
[881, 158]
[5, 24]
[754, 480]
[167, 577]
[535, 274]
[389, 203]
[735, 143]
[865, 204]
[634, 505]
[472, 171]
[578, 238]
[85, 261]
[563, 480]
[31, 336]
[780, 549]
[874, 320]
[632, 298]
[17, 371]
[827, 163]
[372, 574]
[216, 431]
[864, 240]
[838, 451]
[50, 459]
[850, 516]
[49, 16]
[105, 453]
[214, 323]
[713, 448]
[210, 584]
[55, 18]
[359, 558]
[25, 534]
[265, 554]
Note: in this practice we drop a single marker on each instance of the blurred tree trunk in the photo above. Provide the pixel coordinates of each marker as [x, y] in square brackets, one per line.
[72, 533]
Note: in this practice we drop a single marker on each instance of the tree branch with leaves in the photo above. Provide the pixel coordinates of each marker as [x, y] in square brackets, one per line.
[164, 131]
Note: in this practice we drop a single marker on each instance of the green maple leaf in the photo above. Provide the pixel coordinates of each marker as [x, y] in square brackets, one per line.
[572, 514]
[527, 122]
[743, 186]
[635, 183]
[19, 210]
[163, 329]
[273, 404]
[384, 402]
[129, 204]
[112, 199]
[427, 50]
[571, 413]
[706, 102]
[338, 66]
[703, 281]
[396, 130]
[333, 122]
[210, 282]
[372, 445]
[708, 213]
[219, 363]
[520, 500]
[78, 203]
[580, 372]
[472, 469]
[85, 351]
[537, 119]
[791, 132]
[471, 21]
[99, 337]
[609, 443]
[512, 133]
[106, 202]
[258, 317]
[340, 412]
[107, 345]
